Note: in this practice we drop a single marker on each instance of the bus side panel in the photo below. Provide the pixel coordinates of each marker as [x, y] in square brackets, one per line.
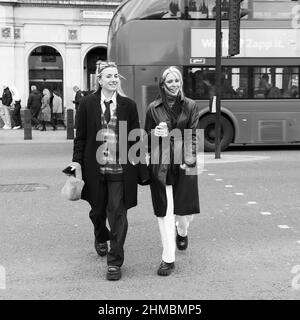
[146, 87]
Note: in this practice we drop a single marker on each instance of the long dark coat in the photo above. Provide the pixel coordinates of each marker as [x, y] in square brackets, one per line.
[185, 186]
[85, 148]
[34, 101]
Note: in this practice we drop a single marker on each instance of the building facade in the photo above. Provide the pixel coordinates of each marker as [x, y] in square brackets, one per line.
[53, 44]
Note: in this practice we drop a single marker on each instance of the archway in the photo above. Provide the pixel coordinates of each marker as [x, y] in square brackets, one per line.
[90, 62]
[46, 69]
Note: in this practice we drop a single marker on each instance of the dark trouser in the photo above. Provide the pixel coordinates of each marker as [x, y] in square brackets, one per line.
[16, 115]
[56, 119]
[34, 116]
[114, 209]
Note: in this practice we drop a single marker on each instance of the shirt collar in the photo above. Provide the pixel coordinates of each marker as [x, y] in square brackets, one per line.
[113, 98]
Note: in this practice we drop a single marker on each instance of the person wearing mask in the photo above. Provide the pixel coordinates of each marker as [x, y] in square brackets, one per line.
[174, 190]
[110, 186]
[34, 104]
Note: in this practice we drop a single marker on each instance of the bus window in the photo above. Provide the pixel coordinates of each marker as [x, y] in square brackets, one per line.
[276, 82]
[200, 83]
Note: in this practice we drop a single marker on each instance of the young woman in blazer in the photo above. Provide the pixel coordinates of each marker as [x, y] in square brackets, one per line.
[110, 186]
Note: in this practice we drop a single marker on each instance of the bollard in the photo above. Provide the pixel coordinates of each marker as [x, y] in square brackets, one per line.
[27, 125]
[70, 124]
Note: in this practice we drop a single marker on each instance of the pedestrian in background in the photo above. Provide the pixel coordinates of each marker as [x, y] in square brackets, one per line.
[16, 104]
[34, 104]
[76, 101]
[110, 187]
[174, 191]
[6, 99]
[45, 113]
[57, 110]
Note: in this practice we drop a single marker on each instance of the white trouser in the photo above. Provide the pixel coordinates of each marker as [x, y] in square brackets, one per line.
[5, 115]
[167, 228]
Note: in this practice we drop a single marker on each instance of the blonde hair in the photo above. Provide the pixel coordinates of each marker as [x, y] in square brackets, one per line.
[106, 64]
[170, 70]
[46, 92]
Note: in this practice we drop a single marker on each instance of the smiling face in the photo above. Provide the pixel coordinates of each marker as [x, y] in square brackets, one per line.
[109, 79]
[172, 84]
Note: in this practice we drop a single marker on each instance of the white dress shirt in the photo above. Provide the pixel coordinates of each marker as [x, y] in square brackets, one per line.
[113, 105]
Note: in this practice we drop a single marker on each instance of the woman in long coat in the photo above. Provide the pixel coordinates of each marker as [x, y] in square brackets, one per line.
[174, 189]
[45, 113]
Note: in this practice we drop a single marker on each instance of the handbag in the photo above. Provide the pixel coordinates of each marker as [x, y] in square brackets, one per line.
[73, 186]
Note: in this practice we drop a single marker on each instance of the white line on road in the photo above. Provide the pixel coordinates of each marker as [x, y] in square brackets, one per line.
[239, 193]
[252, 202]
[266, 213]
[283, 226]
[219, 179]
[228, 186]
[211, 174]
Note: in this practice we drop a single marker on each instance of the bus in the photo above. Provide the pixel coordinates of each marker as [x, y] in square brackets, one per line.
[260, 86]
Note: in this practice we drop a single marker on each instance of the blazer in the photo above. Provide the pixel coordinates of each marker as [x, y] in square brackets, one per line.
[86, 145]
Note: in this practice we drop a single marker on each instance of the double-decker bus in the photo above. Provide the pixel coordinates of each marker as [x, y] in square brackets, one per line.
[260, 86]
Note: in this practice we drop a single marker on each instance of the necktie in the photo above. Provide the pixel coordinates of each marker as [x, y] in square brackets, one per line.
[107, 110]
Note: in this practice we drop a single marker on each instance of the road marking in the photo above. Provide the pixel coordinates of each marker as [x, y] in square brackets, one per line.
[228, 158]
[298, 241]
[219, 179]
[2, 278]
[239, 193]
[283, 226]
[266, 213]
[252, 202]
[211, 174]
[228, 186]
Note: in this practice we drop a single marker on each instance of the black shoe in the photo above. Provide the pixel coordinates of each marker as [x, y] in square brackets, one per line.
[181, 242]
[113, 273]
[165, 268]
[101, 248]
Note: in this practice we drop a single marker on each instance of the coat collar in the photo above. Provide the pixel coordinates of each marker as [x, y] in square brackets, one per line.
[158, 102]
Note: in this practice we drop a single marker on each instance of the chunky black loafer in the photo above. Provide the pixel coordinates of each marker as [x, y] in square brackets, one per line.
[165, 268]
[181, 242]
[113, 273]
[101, 248]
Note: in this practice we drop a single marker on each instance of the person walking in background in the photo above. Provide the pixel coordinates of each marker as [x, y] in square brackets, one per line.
[57, 110]
[174, 190]
[76, 101]
[6, 99]
[45, 113]
[34, 104]
[110, 187]
[16, 103]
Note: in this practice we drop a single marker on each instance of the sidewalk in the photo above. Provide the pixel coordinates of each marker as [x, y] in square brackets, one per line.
[49, 136]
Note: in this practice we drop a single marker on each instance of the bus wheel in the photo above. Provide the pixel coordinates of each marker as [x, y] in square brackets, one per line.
[208, 124]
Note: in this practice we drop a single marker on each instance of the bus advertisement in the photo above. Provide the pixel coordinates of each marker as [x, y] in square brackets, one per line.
[260, 86]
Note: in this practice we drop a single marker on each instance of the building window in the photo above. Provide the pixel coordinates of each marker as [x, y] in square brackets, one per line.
[17, 33]
[72, 35]
[5, 33]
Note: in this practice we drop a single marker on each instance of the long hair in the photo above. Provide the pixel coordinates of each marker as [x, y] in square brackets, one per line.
[176, 72]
